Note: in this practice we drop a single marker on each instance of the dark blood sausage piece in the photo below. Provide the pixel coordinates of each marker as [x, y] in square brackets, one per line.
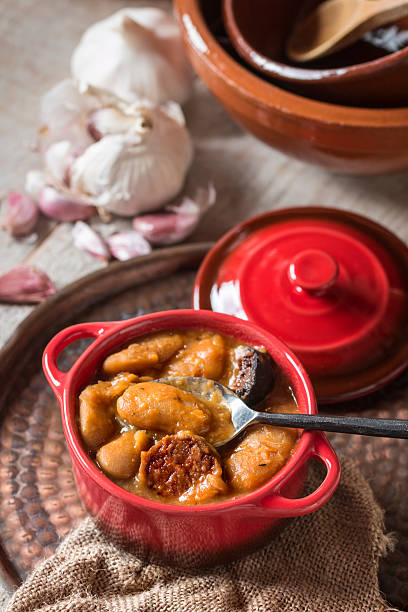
[255, 377]
[176, 463]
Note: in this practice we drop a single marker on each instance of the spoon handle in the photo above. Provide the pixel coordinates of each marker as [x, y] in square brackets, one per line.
[388, 428]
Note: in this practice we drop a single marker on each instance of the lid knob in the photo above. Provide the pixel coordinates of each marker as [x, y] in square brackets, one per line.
[313, 270]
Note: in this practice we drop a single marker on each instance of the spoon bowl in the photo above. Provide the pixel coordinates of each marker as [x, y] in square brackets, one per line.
[336, 24]
[242, 416]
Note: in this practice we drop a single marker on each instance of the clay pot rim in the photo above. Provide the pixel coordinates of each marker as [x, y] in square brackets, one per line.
[299, 75]
[261, 93]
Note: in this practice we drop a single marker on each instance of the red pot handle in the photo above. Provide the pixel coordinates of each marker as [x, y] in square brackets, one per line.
[59, 342]
[287, 507]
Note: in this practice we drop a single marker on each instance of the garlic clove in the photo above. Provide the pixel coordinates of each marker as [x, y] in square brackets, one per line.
[57, 160]
[181, 220]
[21, 214]
[63, 207]
[136, 171]
[165, 228]
[34, 183]
[126, 245]
[104, 121]
[89, 240]
[63, 115]
[173, 110]
[157, 228]
[145, 37]
[25, 285]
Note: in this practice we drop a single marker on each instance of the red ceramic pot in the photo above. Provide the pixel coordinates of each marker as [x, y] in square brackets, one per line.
[187, 535]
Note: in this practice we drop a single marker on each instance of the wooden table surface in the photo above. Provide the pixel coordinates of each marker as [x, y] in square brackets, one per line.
[36, 41]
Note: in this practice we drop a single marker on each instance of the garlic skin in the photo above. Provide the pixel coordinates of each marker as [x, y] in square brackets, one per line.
[34, 182]
[58, 159]
[64, 112]
[174, 226]
[25, 285]
[89, 240]
[126, 245]
[108, 121]
[21, 214]
[138, 168]
[135, 53]
[63, 206]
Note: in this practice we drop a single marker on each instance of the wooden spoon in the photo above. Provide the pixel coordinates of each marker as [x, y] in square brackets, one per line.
[242, 416]
[335, 24]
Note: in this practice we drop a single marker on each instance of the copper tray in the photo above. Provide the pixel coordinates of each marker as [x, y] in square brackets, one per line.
[38, 500]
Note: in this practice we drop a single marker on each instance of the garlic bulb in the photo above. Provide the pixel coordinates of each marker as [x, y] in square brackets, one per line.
[139, 163]
[101, 151]
[135, 53]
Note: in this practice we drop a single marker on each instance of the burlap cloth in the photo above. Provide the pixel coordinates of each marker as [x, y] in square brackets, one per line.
[324, 561]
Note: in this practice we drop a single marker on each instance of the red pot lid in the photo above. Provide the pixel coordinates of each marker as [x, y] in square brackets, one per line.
[331, 284]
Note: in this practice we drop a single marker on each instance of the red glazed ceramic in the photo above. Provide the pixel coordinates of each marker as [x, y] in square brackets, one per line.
[259, 31]
[339, 138]
[201, 535]
[331, 284]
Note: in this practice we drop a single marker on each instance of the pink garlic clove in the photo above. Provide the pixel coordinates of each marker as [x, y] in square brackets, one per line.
[21, 214]
[126, 245]
[63, 207]
[165, 228]
[88, 240]
[181, 220]
[25, 285]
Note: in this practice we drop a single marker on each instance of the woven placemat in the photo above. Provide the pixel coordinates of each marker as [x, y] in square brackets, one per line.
[326, 561]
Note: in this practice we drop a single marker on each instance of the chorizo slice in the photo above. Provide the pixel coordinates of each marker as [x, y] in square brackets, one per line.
[120, 458]
[205, 357]
[184, 467]
[97, 409]
[253, 377]
[154, 405]
[143, 355]
[263, 451]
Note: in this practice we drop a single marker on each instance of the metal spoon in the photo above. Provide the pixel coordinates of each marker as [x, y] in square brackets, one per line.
[242, 416]
[335, 24]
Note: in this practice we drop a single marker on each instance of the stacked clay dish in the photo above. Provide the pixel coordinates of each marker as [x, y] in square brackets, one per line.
[352, 120]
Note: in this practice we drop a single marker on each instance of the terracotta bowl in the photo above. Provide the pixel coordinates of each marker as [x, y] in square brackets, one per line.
[187, 535]
[259, 31]
[339, 138]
